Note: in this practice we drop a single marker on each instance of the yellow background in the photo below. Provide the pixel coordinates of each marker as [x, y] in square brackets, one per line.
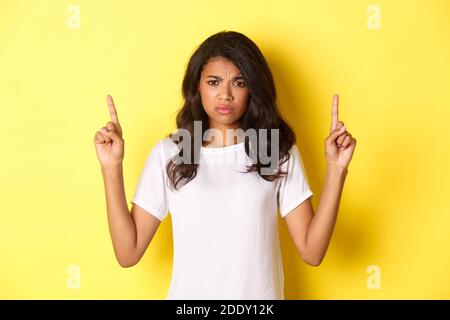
[394, 88]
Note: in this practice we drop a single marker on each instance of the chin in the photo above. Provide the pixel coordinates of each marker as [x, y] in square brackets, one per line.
[227, 122]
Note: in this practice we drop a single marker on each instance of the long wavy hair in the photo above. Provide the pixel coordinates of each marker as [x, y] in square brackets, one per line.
[261, 113]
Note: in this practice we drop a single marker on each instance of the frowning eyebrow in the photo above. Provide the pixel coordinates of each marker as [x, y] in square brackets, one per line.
[239, 77]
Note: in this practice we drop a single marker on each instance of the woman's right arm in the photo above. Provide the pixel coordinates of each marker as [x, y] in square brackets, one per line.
[131, 233]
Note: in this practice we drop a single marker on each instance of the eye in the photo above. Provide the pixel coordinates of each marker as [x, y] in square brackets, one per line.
[211, 81]
[241, 83]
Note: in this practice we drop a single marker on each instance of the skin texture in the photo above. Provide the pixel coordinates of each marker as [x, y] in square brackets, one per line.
[218, 85]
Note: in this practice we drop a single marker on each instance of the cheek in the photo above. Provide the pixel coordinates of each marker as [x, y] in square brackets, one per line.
[242, 97]
[207, 96]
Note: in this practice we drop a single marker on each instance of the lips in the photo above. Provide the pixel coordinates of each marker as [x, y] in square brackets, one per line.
[224, 109]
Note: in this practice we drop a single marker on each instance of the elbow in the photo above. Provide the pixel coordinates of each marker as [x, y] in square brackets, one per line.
[312, 261]
[310, 256]
[127, 262]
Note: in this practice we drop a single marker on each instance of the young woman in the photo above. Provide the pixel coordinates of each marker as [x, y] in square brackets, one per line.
[224, 213]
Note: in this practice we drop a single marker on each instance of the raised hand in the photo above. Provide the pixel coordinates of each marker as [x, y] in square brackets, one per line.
[339, 145]
[109, 144]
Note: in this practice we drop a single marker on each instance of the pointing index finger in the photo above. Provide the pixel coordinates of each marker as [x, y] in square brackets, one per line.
[112, 109]
[334, 112]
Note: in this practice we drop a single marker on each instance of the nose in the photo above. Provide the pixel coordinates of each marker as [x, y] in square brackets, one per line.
[225, 93]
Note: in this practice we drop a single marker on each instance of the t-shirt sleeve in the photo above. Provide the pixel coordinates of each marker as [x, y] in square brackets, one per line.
[150, 193]
[294, 187]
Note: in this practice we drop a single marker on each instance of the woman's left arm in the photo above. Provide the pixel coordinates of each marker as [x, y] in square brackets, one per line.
[311, 231]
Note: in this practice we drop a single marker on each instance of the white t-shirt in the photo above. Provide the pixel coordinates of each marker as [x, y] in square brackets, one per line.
[225, 227]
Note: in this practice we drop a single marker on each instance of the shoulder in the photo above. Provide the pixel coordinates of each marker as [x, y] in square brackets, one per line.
[294, 154]
[166, 148]
[293, 150]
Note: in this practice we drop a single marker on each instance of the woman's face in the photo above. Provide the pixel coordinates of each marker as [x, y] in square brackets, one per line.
[221, 84]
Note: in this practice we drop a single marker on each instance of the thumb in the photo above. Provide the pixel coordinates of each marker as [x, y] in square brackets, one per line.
[112, 134]
[335, 134]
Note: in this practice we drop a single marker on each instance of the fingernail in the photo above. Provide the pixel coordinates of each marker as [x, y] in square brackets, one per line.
[343, 128]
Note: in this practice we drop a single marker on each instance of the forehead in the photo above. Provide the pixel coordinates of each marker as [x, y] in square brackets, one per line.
[220, 65]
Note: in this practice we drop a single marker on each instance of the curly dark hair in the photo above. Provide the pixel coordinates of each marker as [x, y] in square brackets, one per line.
[261, 113]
